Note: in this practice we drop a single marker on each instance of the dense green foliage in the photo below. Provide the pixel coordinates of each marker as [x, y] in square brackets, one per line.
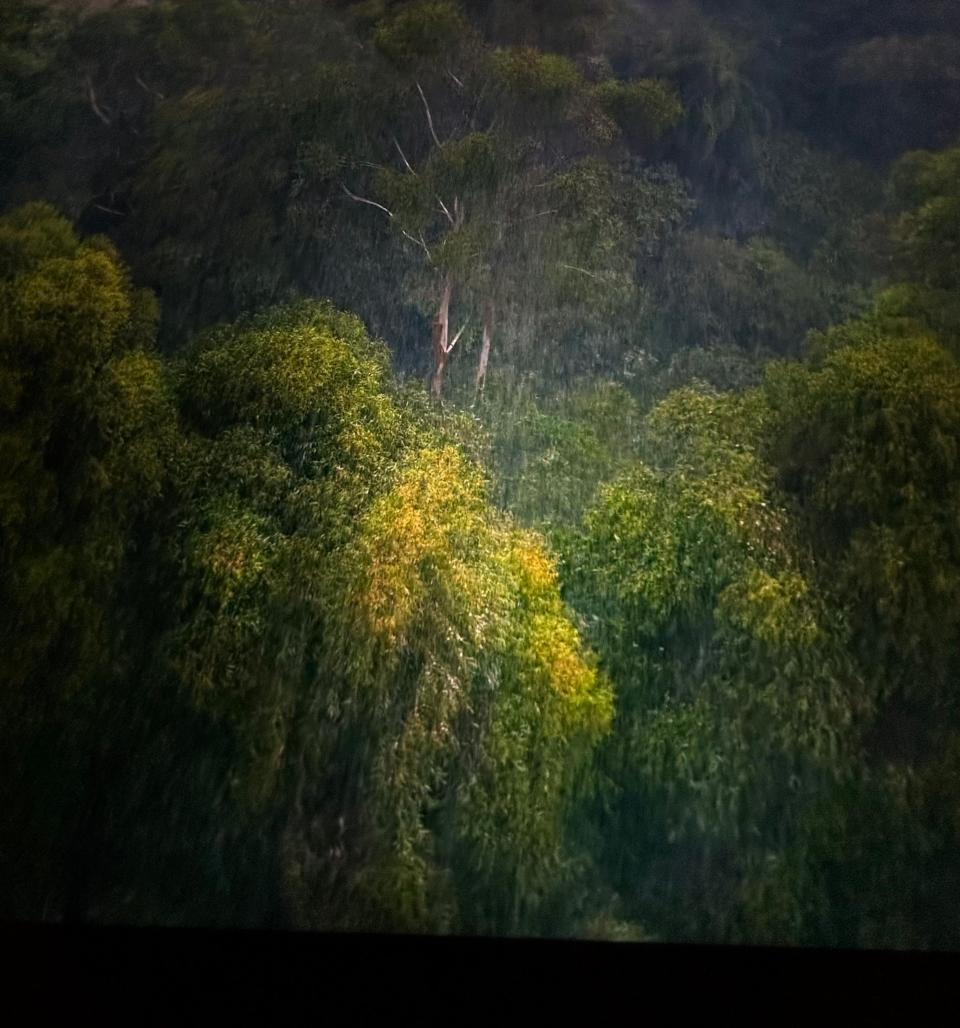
[341, 598]
[638, 616]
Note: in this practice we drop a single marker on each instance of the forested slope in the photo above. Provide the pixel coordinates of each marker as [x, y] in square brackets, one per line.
[485, 467]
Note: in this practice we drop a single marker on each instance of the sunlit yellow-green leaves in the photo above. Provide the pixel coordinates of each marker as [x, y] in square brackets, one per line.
[353, 603]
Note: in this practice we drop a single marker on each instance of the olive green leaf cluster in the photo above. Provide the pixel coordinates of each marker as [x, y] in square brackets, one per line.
[89, 426]
[925, 231]
[88, 434]
[732, 716]
[773, 593]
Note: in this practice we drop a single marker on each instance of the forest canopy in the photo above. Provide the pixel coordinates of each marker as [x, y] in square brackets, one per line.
[482, 467]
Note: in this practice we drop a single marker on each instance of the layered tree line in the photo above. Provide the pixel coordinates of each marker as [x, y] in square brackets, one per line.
[484, 467]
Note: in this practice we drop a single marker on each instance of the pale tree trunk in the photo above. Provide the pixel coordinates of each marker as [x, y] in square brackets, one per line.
[488, 316]
[441, 338]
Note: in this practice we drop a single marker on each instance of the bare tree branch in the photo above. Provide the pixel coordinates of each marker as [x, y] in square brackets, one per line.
[426, 107]
[455, 79]
[418, 242]
[583, 271]
[478, 100]
[530, 217]
[403, 157]
[456, 338]
[372, 203]
[109, 210]
[154, 92]
[92, 96]
[443, 207]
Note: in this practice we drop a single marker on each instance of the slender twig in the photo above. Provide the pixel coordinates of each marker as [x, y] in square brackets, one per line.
[583, 271]
[478, 100]
[530, 217]
[92, 96]
[426, 107]
[139, 81]
[372, 203]
[403, 157]
[456, 338]
[418, 242]
[109, 210]
[443, 207]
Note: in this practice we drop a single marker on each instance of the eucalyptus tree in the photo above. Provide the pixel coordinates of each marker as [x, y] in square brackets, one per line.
[477, 193]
